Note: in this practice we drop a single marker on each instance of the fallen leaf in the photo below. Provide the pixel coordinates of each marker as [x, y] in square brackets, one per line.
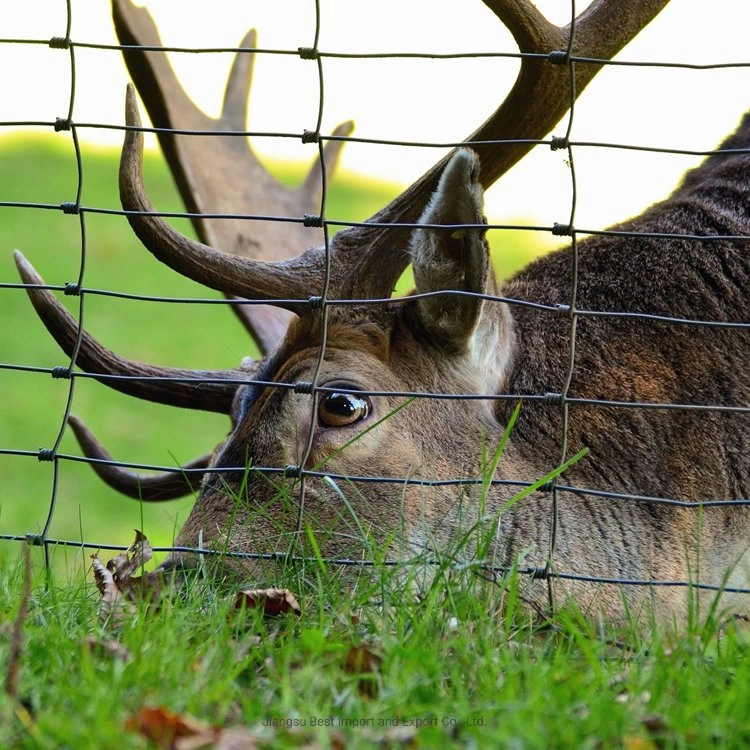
[109, 590]
[173, 731]
[274, 602]
[133, 559]
[166, 728]
[364, 661]
[119, 587]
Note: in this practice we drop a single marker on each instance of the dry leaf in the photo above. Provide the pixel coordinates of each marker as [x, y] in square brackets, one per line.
[105, 582]
[119, 587]
[123, 567]
[172, 731]
[165, 728]
[364, 661]
[274, 602]
[133, 559]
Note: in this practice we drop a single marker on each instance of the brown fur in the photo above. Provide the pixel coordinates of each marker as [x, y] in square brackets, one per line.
[432, 347]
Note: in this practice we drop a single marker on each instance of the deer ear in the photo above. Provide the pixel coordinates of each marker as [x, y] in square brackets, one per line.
[452, 259]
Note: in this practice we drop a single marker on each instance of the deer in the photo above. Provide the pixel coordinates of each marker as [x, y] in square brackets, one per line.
[374, 422]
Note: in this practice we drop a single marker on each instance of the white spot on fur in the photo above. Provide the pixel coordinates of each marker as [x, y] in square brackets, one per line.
[491, 348]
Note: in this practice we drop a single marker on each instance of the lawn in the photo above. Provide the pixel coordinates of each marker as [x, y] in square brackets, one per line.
[460, 665]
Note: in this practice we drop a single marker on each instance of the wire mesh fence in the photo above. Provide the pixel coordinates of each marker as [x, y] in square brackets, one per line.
[53, 485]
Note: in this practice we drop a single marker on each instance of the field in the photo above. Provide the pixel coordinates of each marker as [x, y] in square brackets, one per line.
[458, 667]
[462, 665]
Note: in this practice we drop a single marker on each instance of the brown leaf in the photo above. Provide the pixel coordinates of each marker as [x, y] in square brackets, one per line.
[274, 602]
[110, 611]
[133, 559]
[173, 731]
[104, 580]
[362, 658]
[147, 587]
[165, 728]
[364, 661]
[118, 585]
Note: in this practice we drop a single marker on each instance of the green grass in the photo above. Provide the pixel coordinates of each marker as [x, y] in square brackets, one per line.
[462, 658]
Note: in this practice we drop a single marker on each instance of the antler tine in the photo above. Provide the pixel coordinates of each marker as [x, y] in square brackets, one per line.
[541, 93]
[370, 260]
[312, 188]
[146, 487]
[98, 360]
[221, 174]
[287, 284]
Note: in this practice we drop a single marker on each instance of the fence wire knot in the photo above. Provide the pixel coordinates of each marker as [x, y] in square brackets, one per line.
[295, 472]
[59, 42]
[562, 230]
[72, 289]
[553, 399]
[60, 372]
[63, 123]
[548, 486]
[45, 454]
[308, 53]
[304, 386]
[541, 573]
[315, 302]
[69, 207]
[559, 57]
[35, 540]
[563, 311]
[558, 142]
[312, 220]
[310, 136]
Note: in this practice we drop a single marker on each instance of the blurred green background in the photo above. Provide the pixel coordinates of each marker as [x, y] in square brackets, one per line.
[42, 169]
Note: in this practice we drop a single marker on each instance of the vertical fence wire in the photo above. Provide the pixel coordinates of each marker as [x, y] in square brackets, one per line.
[66, 123]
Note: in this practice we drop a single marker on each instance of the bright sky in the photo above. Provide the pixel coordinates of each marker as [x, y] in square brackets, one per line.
[412, 100]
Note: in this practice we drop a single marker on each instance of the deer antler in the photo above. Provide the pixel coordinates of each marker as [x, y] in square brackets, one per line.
[165, 385]
[232, 274]
[367, 261]
[145, 487]
[221, 174]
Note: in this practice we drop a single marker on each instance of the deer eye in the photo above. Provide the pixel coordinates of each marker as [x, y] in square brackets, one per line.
[342, 409]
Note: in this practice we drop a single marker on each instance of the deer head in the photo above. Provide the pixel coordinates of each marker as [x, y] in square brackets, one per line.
[326, 438]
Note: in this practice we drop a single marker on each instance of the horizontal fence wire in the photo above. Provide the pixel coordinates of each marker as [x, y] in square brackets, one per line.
[566, 310]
